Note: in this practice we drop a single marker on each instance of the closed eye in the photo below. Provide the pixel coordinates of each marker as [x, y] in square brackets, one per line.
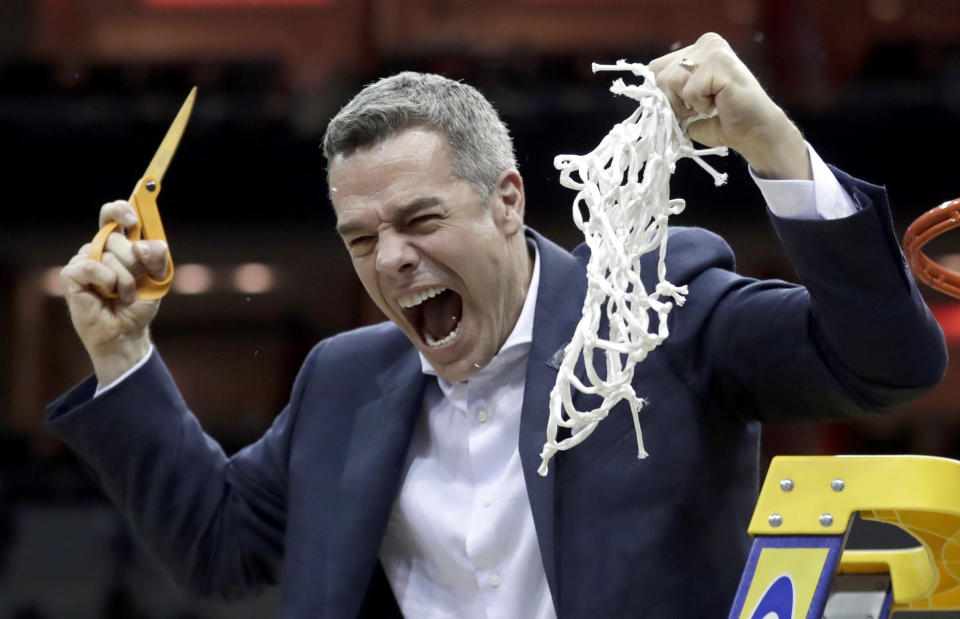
[424, 219]
[361, 244]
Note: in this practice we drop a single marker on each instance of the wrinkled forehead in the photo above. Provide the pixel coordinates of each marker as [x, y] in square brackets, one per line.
[367, 141]
[416, 155]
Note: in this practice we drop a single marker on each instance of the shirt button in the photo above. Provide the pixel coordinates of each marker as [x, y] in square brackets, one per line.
[487, 502]
[494, 580]
[482, 416]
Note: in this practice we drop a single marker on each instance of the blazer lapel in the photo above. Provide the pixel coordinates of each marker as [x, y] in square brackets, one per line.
[379, 441]
[559, 301]
[383, 427]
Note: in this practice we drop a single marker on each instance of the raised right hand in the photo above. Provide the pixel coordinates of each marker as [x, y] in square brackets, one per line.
[747, 119]
[114, 331]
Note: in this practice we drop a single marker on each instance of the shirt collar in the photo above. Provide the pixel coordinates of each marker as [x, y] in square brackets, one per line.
[522, 333]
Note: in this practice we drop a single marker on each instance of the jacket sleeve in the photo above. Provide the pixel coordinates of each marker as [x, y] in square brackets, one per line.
[215, 523]
[855, 338]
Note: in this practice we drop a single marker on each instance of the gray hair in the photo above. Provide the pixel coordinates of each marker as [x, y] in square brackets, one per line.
[479, 142]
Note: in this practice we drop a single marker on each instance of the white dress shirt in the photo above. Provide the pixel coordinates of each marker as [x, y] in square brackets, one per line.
[461, 541]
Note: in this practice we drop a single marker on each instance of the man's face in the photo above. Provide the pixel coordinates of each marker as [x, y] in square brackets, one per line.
[449, 271]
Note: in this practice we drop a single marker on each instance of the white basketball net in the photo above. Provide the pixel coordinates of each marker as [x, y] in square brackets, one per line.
[625, 187]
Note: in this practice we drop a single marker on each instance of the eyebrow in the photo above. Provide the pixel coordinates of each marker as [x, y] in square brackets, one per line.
[402, 213]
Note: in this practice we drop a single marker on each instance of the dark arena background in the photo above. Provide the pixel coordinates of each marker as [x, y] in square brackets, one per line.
[88, 88]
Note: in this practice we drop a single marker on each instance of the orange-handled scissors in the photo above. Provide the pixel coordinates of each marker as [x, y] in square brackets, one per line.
[144, 202]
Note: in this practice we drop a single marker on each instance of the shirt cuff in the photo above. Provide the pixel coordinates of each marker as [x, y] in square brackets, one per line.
[821, 198]
[101, 390]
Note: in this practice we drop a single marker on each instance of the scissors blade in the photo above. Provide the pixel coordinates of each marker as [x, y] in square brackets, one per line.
[158, 165]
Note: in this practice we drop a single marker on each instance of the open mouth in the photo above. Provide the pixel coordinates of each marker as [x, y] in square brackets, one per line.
[435, 313]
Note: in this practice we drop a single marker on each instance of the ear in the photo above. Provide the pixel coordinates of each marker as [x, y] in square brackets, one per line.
[509, 202]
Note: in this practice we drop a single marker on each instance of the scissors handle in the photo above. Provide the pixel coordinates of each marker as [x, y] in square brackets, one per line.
[149, 227]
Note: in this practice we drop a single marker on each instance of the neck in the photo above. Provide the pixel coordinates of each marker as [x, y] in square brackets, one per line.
[522, 267]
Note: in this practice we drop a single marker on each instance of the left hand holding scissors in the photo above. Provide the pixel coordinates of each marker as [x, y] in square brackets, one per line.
[113, 284]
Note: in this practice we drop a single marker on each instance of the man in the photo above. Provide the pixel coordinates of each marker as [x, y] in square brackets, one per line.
[407, 455]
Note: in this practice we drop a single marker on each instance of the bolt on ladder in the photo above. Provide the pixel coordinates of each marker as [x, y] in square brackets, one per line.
[797, 567]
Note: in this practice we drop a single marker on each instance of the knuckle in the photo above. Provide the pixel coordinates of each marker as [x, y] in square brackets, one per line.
[116, 242]
[114, 211]
[121, 249]
[708, 37]
[112, 261]
[720, 55]
[116, 267]
[717, 60]
[670, 81]
[90, 269]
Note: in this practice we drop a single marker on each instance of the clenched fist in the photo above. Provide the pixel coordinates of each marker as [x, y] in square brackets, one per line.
[747, 120]
[114, 331]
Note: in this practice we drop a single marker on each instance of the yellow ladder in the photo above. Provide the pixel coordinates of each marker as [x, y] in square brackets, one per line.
[798, 569]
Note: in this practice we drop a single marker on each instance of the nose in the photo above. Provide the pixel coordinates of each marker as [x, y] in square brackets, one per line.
[395, 255]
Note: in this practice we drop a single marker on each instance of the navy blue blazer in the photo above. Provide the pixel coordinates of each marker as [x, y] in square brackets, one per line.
[307, 505]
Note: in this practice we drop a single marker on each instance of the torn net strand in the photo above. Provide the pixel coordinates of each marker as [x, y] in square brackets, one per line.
[624, 187]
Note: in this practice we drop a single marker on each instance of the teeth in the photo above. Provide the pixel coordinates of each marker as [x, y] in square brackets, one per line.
[419, 297]
[415, 299]
[445, 340]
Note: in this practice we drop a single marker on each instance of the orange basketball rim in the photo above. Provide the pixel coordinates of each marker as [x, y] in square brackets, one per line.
[924, 229]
